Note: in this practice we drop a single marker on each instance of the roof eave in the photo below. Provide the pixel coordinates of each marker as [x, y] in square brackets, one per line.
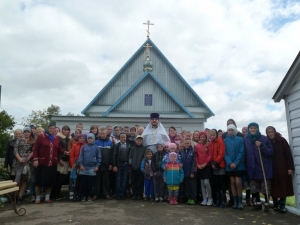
[288, 80]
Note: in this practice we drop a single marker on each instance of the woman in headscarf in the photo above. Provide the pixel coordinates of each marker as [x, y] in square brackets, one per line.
[45, 156]
[22, 164]
[173, 134]
[254, 143]
[283, 167]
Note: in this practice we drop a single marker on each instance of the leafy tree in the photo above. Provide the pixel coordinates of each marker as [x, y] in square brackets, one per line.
[7, 123]
[41, 117]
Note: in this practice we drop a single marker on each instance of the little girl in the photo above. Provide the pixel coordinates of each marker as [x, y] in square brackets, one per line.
[173, 176]
[203, 157]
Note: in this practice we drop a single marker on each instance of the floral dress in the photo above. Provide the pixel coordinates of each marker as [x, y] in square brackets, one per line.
[19, 170]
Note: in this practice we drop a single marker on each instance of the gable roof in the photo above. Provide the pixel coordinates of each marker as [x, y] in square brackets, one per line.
[167, 62]
[289, 80]
[146, 74]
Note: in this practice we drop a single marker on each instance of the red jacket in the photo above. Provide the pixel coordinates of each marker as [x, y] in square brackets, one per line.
[46, 152]
[203, 153]
[217, 148]
[74, 154]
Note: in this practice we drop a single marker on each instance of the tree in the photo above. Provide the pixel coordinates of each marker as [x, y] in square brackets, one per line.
[41, 117]
[7, 123]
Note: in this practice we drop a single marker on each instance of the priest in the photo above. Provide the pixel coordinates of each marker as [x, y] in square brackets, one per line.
[154, 133]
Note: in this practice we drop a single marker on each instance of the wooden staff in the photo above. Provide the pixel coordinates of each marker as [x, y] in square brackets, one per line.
[264, 174]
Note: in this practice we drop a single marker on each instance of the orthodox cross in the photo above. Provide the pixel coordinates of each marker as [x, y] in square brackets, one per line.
[148, 23]
[148, 50]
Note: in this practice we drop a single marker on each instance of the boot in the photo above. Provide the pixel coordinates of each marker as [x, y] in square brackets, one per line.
[223, 200]
[240, 202]
[171, 201]
[175, 202]
[257, 206]
[282, 208]
[235, 200]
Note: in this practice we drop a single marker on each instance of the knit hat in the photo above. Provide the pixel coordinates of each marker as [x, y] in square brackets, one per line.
[173, 154]
[82, 136]
[139, 137]
[154, 116]
[91, 135]
[172, 145]
[232, 127]
[26, 129]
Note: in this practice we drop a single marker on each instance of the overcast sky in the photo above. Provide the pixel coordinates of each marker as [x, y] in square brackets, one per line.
[234, 54]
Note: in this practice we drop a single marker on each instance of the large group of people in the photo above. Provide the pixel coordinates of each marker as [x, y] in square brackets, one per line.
[211, 167]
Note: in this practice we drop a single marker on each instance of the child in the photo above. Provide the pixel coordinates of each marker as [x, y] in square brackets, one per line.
[188, 157]
[146, 168]
[136, 156]
[173, 176]
[158, 173]
[235, 167]
[203, 156]
[74, 155]
[172, 148]
[217, 148]
[103, 175]
[89, 161]
[121, 165]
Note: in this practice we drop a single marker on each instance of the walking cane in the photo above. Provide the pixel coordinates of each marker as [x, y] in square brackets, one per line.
[264, 174]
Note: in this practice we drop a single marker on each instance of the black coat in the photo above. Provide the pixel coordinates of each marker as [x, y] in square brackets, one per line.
[9, 155]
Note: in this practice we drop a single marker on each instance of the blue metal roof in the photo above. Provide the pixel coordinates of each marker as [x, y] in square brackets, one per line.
[147, 73]
[130, 60]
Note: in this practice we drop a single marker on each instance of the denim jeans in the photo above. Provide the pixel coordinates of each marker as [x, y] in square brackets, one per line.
[121, 179]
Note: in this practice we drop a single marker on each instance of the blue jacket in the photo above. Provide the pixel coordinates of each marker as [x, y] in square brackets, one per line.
[234, 152]
[188, 157]
[253, 165]
[173, 173]
[106, 151]
[89, 156]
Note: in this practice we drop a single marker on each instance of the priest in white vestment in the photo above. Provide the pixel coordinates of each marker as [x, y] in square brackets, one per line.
[154, 133]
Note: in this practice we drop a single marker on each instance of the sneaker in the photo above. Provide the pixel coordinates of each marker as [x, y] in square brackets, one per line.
[204, 202]
[19, 201]
[32, 199]
[71, 196]
[209, 202]
[60, 197]
[161, 199]
[107, 197]
[37, 202]
[157, 199]
[192, 202]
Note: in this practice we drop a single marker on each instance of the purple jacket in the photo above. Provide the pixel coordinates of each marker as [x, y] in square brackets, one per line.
[252, 160]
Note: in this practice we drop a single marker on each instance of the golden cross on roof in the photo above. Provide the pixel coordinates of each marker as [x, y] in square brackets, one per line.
[148, 23]
[148, 50]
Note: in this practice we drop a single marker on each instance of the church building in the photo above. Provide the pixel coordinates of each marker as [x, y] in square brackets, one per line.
[147, 83]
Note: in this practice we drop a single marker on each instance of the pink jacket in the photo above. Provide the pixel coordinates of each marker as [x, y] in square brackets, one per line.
[203, 153]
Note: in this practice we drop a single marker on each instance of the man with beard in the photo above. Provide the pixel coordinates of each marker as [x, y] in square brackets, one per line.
[154, 133]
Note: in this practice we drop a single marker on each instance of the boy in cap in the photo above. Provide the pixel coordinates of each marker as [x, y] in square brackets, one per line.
[173, 176]
[136, 156]
[89, 161]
